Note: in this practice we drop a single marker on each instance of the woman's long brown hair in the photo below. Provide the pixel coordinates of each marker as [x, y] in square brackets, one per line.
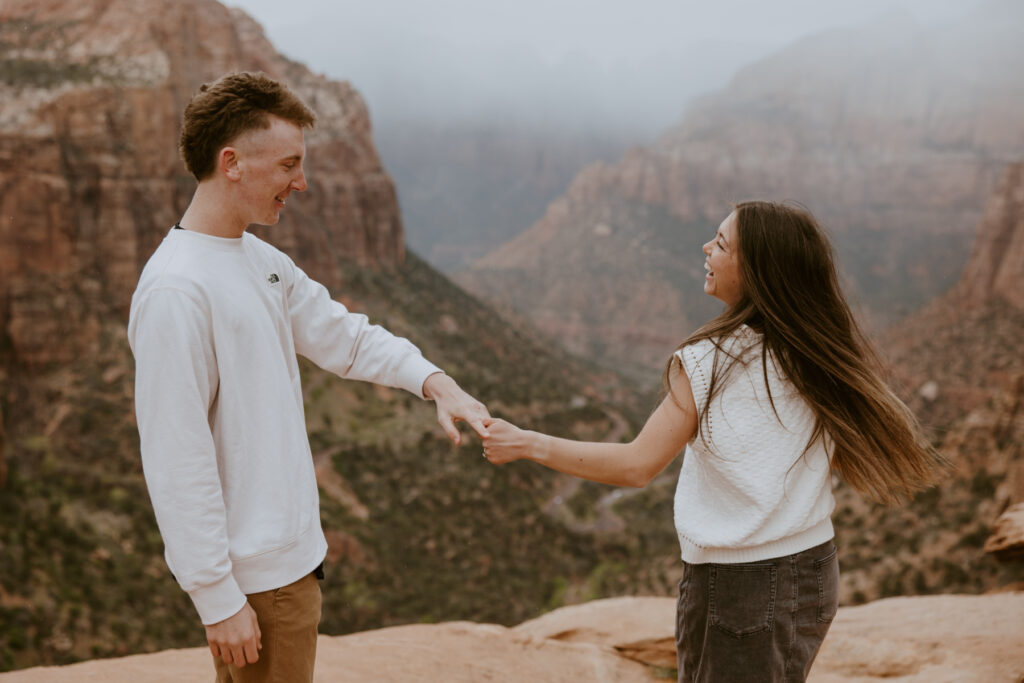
[791, 295]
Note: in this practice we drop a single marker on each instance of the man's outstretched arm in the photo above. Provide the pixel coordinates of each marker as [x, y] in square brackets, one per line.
[348, 345]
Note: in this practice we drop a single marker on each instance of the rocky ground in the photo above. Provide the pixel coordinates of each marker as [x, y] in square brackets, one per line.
[933, 639]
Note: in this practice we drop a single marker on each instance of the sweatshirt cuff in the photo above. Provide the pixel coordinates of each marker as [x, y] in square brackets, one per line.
[414, 372]
[218, 601]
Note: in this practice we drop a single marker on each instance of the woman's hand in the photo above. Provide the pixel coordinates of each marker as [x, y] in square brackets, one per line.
[505, 442]
[666, 432]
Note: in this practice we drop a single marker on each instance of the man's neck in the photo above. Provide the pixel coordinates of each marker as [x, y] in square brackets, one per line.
[211, 214]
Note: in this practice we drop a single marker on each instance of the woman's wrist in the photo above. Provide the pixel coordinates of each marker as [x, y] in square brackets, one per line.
[540, 447]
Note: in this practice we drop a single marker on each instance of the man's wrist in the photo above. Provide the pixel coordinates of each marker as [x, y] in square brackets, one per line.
[219, 601]
[437, 384]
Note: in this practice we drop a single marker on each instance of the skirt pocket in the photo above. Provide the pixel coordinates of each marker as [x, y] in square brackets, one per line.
[742, 598]
[827, 571]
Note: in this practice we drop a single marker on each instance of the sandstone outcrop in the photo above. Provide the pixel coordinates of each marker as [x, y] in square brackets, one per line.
[929, 639]
[1007, 539]
[962, 349]
[638, 628]
[996, 266]
[936, 639]
[93, 92]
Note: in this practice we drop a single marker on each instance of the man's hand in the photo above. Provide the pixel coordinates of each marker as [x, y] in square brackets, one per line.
[454, 404]
[236, 640]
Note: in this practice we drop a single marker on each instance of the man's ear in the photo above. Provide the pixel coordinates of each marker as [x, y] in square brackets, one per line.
[228, 163]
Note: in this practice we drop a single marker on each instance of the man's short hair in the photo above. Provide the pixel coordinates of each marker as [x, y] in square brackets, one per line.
[234, 104]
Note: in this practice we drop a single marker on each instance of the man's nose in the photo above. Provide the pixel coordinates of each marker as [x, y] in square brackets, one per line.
[299, 184]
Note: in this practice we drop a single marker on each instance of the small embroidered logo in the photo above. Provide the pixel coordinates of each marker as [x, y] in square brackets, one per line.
[273, 278]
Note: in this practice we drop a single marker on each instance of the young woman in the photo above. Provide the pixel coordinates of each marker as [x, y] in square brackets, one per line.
[768, 398]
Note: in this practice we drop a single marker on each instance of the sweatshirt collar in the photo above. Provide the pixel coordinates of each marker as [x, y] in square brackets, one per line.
[204, 240]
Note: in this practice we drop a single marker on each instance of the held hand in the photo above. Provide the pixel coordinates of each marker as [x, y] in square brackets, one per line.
[236, 640]
[506, 442]
[454, 404]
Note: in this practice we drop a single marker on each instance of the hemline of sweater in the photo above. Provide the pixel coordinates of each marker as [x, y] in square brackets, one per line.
[692, 553]
[267, 571]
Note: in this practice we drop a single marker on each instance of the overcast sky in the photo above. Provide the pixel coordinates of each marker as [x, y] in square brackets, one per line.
[609, 63]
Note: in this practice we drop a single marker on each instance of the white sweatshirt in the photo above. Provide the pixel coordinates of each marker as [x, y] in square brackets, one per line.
[215, 326]
[750, 493]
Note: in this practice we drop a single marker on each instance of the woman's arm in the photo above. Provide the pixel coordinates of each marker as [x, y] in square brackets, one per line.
[666, 432]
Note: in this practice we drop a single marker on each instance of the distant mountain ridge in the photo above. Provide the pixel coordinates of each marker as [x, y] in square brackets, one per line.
[892, 135]
[614, 268]
[465, 188]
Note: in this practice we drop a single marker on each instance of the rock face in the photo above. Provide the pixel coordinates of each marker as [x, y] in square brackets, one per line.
[996, 267]
[962, 349]
[929, 639]
[957, 364]
[944, 638]
[1007, 539]
[892, 135]
[91, 95]
[638, 628]
[90, 178]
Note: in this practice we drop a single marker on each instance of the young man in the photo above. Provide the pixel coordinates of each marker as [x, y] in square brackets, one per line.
[215, 325]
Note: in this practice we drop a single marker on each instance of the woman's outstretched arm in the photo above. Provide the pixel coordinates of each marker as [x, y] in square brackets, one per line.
[666, 432]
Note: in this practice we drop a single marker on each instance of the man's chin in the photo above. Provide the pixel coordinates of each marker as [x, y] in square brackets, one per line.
[269, 220]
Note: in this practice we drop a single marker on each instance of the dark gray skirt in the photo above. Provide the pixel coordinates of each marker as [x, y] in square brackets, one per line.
[756, 621]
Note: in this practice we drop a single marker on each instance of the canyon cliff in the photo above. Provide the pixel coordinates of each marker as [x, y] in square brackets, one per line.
[417, 529]
[963, 349]
[957, 364]
[90, 178]
[893, 135]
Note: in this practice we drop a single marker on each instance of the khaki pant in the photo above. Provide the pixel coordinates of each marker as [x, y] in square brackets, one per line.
[288, 619]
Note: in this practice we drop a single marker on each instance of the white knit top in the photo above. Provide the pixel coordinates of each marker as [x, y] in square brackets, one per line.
[747, 490]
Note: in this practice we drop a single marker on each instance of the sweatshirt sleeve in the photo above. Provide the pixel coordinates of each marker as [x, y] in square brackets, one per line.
[346, 344]
[176, 383]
